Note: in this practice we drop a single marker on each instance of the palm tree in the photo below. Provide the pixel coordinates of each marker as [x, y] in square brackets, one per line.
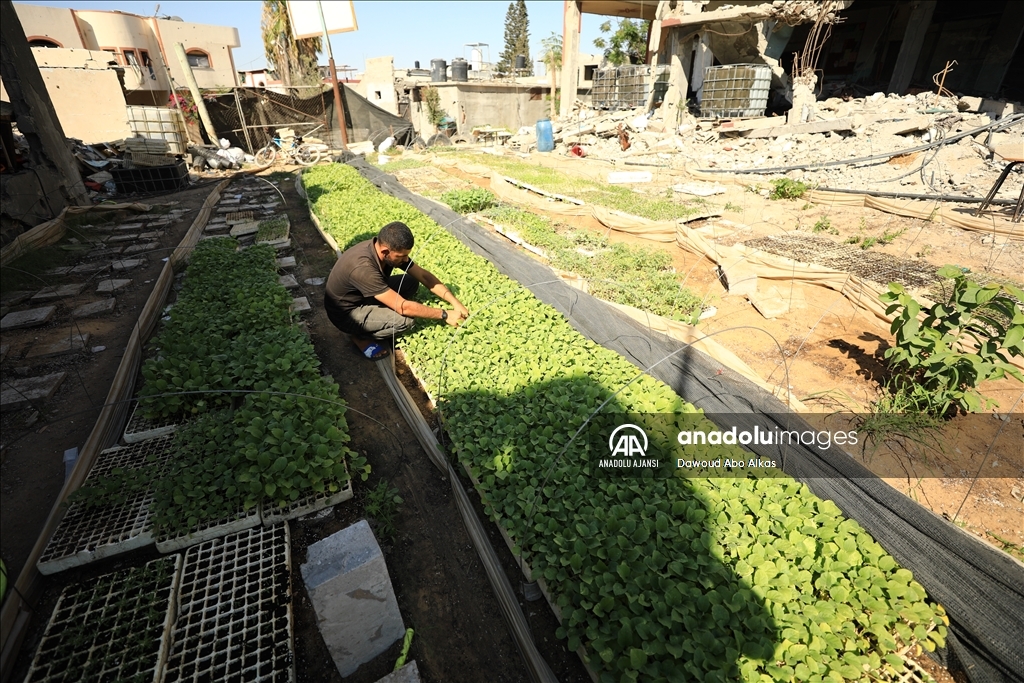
[552, 57]
[295, 61]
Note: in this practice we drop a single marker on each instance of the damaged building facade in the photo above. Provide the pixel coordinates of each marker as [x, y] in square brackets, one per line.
[844, 47]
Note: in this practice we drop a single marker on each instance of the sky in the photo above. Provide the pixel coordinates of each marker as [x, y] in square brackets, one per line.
[409, 31]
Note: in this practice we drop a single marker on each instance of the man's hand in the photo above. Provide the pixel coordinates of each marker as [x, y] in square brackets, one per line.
[456, 316]
[460, 309]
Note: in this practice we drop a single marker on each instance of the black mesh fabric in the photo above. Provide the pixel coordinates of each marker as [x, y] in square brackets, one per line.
[981, 588]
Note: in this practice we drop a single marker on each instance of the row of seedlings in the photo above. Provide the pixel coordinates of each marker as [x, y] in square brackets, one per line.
[262, 438]
[661, 578]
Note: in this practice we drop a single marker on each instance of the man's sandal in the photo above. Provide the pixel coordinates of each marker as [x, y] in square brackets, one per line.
[376, 352]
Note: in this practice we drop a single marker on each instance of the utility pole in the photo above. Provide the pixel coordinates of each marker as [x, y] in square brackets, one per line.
[339, 107]
[197, 96]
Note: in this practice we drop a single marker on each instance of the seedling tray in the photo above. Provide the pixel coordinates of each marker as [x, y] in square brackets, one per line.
[141, 428]
[234, 615]
[90, 533]
[114, 628]
[274, 514]
[210, 529]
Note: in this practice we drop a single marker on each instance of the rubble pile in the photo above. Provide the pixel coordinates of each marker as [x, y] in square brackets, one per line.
[845, 129]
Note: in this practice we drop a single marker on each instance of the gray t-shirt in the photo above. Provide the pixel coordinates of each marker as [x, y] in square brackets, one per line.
[358, 277]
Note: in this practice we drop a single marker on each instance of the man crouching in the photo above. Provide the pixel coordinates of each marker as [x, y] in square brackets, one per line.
[364, 300]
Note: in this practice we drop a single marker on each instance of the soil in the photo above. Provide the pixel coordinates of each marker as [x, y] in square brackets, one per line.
[831, 356]
[34, 439]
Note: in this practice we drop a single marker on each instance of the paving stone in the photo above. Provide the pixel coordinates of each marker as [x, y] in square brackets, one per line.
[161, 222]
[21, 392]
[30, 318]
[286, 262]
[104, 253]
[250, 228]
[108, 286]
[90, 268]
[130, 226]
[139, 248]
[349, 586]
[288, 281]
[281, 246]
[410, 673]
[216, 227]
[58, 292]
[127, 264]
[60, 270]
[230, 201]
[4, 348]
[300, 304]
[150, 235]
[124, 238]
[15, 298]
[65, 345]
[94, 308]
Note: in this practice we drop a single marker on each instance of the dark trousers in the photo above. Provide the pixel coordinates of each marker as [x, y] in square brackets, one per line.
[376, 320]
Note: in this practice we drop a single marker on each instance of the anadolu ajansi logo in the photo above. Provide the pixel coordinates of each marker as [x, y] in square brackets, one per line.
[628, 447]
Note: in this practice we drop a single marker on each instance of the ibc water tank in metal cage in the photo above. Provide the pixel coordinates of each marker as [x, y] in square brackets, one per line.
[734, 90]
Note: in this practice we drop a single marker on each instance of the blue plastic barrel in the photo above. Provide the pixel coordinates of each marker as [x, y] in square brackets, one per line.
[545, 138]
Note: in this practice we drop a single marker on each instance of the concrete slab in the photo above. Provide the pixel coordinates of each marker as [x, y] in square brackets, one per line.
[286, 262]
[139, 248]
[250, 228]
[30, 318]
[773, 301]
[57, 292]
[348, 583]
[4, 349]
[68, 344]
[288, 281]
[124, 238]
[150, 235]
[113, 285]
[95, 308]
[127, 264]
[409, 673]
[22, 392]
[104, 253]
[15, 298]
[281, 246]
[738, 277]
[130, 226]
[59, 270]
[300, 305]
[90, 268]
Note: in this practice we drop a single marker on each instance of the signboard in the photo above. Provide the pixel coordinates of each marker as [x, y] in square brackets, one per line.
[339, 15]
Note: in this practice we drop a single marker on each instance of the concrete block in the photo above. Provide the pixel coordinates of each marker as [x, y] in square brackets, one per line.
[242, 229]
[15, 298]
[281, 246]
[288, 281]
[4, 349]
[150, 235]
[30, 318]
[65, 345]
[300, 304]
[350, 589]
[21, 392]
[61, 292]
[409, 673]
[95, 308]
[286, 262]
[139, 248]
[105, 252]
[129, 226]
[110, 286]
[127, 264]
[124, 238]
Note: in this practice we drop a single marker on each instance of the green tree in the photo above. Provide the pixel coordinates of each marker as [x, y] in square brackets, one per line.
[294, 61]
[627, 45]
[552, 57]
[517, 38]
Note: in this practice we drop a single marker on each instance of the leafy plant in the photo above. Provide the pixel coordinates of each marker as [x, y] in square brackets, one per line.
[432, 98]
[890, 235]
[941, 359]
[852, 239]
[382, 503]
[273, 229]
[729, 206]
[786, 188]
[824, 224]
[469, 201]
[627, 44]
[868, 242]
[655, 577]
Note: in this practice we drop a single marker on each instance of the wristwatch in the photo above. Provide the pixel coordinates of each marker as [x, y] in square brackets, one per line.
[444, 314]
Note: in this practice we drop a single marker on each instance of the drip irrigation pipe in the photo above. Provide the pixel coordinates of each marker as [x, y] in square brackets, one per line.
[994, 126]
[903, 195]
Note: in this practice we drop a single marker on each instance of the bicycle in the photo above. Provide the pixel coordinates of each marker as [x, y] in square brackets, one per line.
[302, 152]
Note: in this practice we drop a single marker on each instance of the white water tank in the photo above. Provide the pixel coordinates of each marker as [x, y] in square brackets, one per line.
[476, 59]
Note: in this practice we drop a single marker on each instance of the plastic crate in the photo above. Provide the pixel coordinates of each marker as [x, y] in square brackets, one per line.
[153, 179]
[734, 90]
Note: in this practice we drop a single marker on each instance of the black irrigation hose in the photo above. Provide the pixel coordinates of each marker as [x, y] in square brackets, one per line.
[995, 125]
[904, 195]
